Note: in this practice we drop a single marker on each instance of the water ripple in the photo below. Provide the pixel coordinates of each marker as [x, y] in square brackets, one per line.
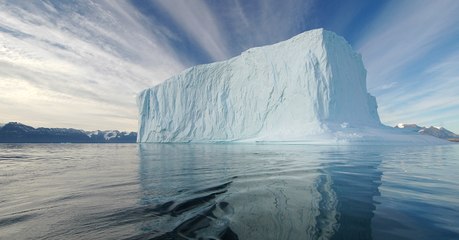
[221, 191]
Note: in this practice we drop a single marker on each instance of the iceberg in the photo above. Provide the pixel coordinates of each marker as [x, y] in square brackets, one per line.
[310, 88]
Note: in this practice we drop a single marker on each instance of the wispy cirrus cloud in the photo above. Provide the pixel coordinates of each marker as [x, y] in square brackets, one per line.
[78, 59]
[197, 20]
[432, 101]
[225, 29]
[64, 62]
[80, 63]
[414, 44]
[256, 23]
[405, 32]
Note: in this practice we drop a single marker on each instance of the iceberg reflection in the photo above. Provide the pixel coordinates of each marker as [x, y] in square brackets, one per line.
[231, 191]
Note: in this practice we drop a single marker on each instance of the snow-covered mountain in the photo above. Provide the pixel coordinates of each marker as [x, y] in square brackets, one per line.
[14, 132]
[310, 88]
[439, 132]
[111, 136]
[408, 126]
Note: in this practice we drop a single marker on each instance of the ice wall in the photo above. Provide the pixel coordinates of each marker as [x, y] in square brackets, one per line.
[306, 86]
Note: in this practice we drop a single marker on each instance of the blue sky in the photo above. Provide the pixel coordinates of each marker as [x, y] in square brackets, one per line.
[81, 63]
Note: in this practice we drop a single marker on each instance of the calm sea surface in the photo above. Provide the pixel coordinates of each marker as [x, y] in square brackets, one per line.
[200, 191]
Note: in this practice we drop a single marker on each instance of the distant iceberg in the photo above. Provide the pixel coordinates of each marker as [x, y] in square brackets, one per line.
[308, 89]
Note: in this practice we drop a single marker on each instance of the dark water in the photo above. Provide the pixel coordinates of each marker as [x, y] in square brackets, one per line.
[180, 191]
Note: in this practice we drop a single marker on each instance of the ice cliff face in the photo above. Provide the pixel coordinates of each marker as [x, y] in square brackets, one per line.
[309, 85]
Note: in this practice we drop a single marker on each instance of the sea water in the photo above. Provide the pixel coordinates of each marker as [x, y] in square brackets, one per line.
[228, 191]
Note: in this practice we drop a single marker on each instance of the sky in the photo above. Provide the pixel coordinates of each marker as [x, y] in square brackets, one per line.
[81, 63]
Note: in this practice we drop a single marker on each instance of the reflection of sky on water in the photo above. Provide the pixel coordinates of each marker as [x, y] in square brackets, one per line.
[98, 191]
[268, 191]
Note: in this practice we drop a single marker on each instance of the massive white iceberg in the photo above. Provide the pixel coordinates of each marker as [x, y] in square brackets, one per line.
[310, 88]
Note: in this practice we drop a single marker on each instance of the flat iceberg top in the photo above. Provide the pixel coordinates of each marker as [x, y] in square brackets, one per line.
[302, 88]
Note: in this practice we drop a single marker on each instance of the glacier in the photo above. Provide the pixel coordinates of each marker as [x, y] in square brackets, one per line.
[308, 89]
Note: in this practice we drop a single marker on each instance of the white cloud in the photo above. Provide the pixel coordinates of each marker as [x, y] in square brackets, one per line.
[224, 30]
[98, 54]
[197, 20]
[403, 33]
[385, 86]
[271, 21]
[434, 101]
[64, 62]
[80, 63]
[397, 47]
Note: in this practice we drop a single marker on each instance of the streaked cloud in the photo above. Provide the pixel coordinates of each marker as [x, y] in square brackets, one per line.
[256, 23]
[415, 45]
[63, 63]
[78, 59]
[81, 63]
[197, 21]
[385, 86]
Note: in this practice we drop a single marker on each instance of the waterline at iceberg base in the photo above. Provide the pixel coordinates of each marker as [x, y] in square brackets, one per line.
[308, 89]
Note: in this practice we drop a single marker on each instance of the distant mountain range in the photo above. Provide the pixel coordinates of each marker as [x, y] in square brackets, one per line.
[439, 132]
[14, 132]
